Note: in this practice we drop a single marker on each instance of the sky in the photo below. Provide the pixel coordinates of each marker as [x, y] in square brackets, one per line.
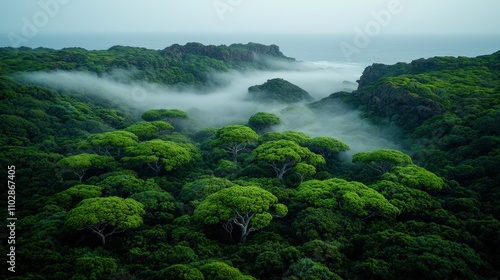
[30, 18]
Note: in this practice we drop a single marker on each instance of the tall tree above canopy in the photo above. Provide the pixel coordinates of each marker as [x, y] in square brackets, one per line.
[158, 154]
[105, 216]
[303, 169]
[148, 130]
[352, 197]
[408, 200]
[326, 146]
[170, 115]
[79, 164]
[414, 176]
[262, 121]
[296, 136]
[382, 160]
[223, 271]
[71, 196]
[110, 143]
[248, 207]
[283, 155]
[235, 138]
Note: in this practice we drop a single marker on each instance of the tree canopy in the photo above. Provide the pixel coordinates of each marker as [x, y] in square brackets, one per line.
[246, 207]
[158, 154]
[79, 164]
[352, 197]
[382, 160]
[414, 176]
[149, 130]
[283, 155]
[326, 146]
[292, 135]
[262, 122]
[105, 216]
[110, 143]
[169, 115]
[235, 138]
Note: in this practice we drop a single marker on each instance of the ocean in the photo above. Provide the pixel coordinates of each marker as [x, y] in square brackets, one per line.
[335, 48]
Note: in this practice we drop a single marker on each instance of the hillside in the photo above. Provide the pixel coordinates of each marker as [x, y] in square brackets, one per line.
[278, 90]
[105, 191]
[449, 110]
[175, 65]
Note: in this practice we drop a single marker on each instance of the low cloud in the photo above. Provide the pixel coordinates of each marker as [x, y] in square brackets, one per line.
[227, 102]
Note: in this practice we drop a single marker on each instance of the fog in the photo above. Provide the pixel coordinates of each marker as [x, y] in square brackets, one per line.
[226, 102]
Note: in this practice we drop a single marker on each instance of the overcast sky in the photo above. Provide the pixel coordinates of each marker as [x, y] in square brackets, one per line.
[248, 16]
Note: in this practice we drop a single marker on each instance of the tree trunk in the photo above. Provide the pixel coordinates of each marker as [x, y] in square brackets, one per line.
[281, 173]
[235, 156]
[102, 237]
[285, 167]
[244, 235]
[243, 221]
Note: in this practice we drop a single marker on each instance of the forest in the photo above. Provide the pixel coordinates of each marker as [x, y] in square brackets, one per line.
[97, 188]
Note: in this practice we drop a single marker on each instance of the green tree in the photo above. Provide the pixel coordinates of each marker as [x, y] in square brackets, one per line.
[382, 160]
[326, 146]
[158, 205]
[226, 168]
[283, 155]
[170, 115]
[70, 197]
[408, 200]
[222, 271]
[125, 183]
[416, 177]
[269, 265]
[79, 164]
[149, 130]
[105, 216]
[296, 136]
[353, 197]
[95, 267]
[180, 272]
[324, 252]
[203, 187]
[246, 207]
[419, 257]
[325, 223]
[110, 143]
[16, 130]
[158, 154]
[308, 269]
[235, 138]
[304, 169]
[262, 121]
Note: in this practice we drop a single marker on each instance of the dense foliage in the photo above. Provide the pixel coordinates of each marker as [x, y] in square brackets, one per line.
[449, 108]
[104, 192]
[278, 90]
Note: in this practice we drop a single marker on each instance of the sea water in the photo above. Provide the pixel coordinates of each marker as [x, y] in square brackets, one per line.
[387, 49]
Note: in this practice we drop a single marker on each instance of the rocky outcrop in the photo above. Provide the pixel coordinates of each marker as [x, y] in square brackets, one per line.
[377, 71]
[235, 53]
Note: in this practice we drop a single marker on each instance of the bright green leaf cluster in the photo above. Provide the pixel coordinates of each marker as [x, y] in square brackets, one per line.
[263, 121]
[223, 204]
[382, 160]
[326, 146]
[353, 197]
[148, 130]
[414, 176]
[123, 213]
